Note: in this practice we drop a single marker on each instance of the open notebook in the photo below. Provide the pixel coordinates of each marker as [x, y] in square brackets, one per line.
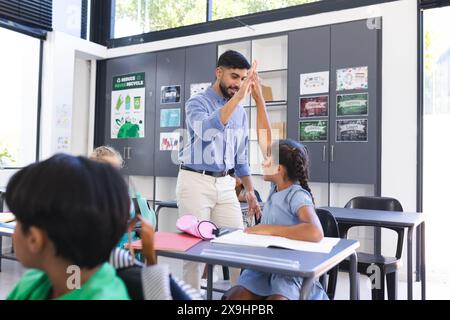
[239, 237]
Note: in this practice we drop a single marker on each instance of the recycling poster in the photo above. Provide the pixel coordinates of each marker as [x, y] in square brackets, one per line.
[128, 106]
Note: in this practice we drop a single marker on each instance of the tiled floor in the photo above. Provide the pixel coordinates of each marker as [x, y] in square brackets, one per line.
[11, 272]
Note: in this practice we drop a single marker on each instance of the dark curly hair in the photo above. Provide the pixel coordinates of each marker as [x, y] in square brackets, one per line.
[294, 157]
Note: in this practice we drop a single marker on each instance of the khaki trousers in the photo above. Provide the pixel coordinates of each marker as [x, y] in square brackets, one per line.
[208, 198]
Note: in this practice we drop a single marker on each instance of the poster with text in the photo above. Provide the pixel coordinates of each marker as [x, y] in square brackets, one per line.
[314, 83]
[128, 106]
[199, 87]
[352, 78]
[313, 131]
[169, 141]
[170, 118]
[354, 130]
[170, 94]
[352, 104]
[314, 107]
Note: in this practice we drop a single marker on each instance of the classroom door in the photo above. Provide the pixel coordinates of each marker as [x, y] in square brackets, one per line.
[436, 134]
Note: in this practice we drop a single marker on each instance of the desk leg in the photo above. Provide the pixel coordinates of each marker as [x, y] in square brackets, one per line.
[418, 253]
[157, 217]
[209, 285]
[1, 252]
[354, 280]
[422, 260]
[410, 264]
[306, 288]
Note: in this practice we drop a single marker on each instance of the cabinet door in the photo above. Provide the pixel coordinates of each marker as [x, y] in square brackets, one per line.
[200, 70]
[354, 130]
[169, 103]
[140, 155]
[309, 52]
[137, 152]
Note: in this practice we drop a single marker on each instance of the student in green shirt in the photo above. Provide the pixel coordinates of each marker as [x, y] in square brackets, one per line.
[70, 214]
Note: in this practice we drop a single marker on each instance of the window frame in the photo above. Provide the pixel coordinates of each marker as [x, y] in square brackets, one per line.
[222, 24]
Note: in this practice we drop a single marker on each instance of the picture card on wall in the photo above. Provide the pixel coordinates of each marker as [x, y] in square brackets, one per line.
[352, 78]
[169, 141]
[199, 87]
[354, 130]
[170, 118]
[314, 107]
[314, 83]
[170, 94]
[352, 104]
[313, 131]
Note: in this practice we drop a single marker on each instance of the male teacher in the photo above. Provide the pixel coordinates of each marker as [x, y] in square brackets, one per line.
[217, 146]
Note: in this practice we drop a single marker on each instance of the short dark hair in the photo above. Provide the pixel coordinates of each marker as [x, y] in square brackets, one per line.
[82, 205]
[233, 59]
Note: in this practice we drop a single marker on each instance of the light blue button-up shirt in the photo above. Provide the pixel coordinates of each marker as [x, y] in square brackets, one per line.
[210, 145]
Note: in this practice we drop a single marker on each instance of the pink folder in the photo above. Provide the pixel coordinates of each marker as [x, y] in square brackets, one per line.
[170, 241]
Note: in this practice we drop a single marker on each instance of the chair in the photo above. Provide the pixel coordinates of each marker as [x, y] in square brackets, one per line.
[330, 229]
[162, 285]
[388, 266]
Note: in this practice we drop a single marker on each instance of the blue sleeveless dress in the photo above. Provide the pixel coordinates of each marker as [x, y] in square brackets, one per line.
[281, 209]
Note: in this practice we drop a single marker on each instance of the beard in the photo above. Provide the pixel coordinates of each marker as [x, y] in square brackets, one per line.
[226, 90]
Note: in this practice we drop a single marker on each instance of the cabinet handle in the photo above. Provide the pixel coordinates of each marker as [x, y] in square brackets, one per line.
[129, 153]
[324, 153]
[124, 152]
[332, 153]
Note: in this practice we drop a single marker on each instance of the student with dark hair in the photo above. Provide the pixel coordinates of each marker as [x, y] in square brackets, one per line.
[70, 214]
[289, 212]
[216, 147]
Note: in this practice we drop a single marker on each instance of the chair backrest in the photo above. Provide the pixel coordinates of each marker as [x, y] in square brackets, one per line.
[330, 229]
[375, 203]
[383, 204]
[132, 278]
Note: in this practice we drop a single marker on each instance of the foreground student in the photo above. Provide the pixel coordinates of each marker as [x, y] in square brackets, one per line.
[70, 214]
[289, 212]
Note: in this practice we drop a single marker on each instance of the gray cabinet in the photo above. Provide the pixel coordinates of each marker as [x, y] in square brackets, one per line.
[309, 51]
[353, 44]
[138, 153]
[170, 93]
[349, 152]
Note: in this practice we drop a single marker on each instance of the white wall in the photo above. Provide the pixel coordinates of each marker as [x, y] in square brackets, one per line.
[80, 110]
[58, 124]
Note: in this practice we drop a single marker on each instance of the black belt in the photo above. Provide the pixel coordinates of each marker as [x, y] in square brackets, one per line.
[209, 173]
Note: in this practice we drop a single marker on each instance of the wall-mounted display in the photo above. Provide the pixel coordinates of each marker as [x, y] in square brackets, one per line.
[128, 106]
[313, 131]
[169, 141]
[352, 104]
[170, 118]
[314, 83]
[170, 94]
[199, 87]
[354, 130]
[352, 78]
[313, 107]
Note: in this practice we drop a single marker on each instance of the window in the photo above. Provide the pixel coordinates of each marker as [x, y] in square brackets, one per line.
[134, 17]
[71, 17]
[231, 8]
[19, 62]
